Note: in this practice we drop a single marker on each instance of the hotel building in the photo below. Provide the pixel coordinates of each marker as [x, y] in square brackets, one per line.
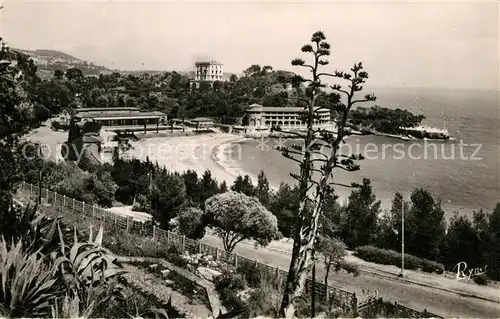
[208, 72]
[263, 117]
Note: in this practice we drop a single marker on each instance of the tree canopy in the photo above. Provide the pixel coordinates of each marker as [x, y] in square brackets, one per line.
[237, 217]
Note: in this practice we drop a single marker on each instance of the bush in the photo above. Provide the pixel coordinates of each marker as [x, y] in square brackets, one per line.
[42, 114]
[55, 125]
[263, 301]
[191, 223]
[254, 275]
[228, 280]
[351, 268]
[390, 257]
[481, 279]
[228, 285]
[432, 266]
[174, 256]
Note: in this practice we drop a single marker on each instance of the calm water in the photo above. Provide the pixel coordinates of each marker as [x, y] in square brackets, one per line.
[462, 182]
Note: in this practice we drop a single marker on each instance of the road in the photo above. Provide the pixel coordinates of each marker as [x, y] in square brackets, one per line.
[436, 301]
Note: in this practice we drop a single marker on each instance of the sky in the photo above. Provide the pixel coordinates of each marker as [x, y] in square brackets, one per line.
[416, 44]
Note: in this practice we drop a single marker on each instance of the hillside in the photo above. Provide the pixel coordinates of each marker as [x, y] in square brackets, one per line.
[48, 61]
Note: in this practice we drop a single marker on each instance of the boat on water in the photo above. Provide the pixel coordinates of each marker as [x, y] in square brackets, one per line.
[427, 132]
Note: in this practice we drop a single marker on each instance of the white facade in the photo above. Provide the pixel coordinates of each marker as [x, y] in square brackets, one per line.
[209, 71]
[261, 117]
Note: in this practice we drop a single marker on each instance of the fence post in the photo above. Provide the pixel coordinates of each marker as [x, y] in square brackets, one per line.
[128, 223]
[168, 238]
[64, 200]
[354, 303]
[256, 263]
[93, 211]
[83, 207]
[183, 243]
[154, 231]
[47, 193]
[115, 221]
[73, 204]
[199, 247]
[235, 260]
[55, 198]
[278, 279]
[31, 189]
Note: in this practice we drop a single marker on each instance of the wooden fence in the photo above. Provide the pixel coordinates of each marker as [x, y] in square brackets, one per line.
[379, 307]
[338, 296]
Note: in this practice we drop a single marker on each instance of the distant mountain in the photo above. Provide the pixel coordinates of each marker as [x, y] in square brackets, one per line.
[48, 61]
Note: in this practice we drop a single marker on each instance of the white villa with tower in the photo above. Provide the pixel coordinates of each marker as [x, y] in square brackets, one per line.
[207, 72]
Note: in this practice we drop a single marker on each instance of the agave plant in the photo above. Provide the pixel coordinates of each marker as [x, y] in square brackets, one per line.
[157, 313]
[84, 305]
[85, 262]
[26, 223]
[84, 268]
[27, 284]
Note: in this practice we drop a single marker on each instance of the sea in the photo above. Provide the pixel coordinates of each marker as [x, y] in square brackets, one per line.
[463, 172]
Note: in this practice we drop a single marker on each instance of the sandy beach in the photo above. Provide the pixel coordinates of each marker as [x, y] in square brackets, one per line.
[214, 152]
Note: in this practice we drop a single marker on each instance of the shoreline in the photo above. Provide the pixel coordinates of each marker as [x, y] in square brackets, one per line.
[197, 152]
[221, 159]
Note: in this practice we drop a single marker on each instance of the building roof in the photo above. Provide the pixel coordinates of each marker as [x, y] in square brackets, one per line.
[106, 109]
[119, 115]
[118, 88]
[255, 108]
[91, 139]
[260, 108]
[202, 119]
[208, 63]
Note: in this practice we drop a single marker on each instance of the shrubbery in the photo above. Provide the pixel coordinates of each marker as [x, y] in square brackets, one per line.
[228, 285]
[127, 244]
[386, 309]
[253, 274]
[432, 266]
[390, 257]
[174, 255]
[481, 279]
[351, 268]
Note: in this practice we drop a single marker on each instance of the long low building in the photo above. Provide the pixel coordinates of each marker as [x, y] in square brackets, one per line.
[285, 117]
[121, 117]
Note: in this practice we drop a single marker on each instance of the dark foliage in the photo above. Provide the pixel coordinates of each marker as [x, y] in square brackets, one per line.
[228, 285]
[383, 119]
[481, 279]
[389, 257]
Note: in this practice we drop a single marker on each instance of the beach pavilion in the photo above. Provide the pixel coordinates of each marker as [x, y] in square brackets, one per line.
[121, 118]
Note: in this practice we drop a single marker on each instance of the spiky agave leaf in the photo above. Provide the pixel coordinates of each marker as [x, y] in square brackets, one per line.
[28, 286]
[98, 238]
